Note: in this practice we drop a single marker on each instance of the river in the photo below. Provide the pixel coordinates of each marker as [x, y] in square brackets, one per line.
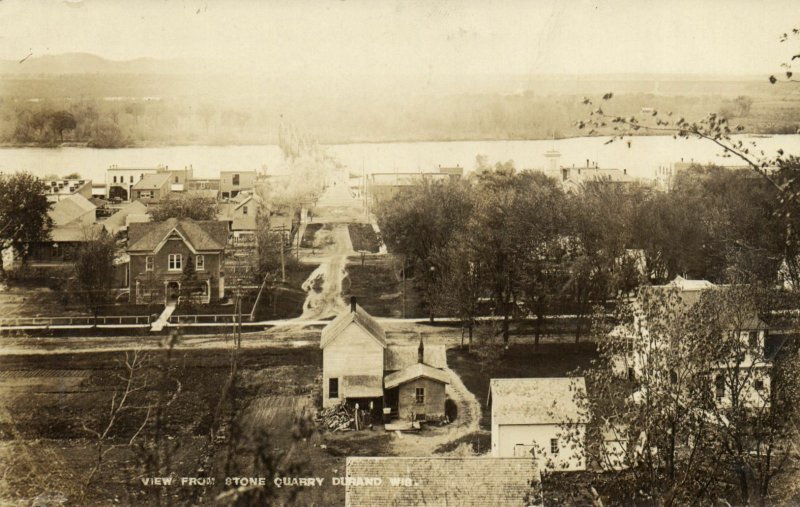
[641, 159]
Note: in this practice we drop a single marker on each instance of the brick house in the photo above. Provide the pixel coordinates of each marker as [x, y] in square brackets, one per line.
[160, 252]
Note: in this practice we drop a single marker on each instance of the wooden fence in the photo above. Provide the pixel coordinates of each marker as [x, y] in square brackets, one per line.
[104, 320]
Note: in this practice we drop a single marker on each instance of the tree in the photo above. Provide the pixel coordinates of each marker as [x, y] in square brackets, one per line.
[94, 271]
[656, 389]
[421, 223]
[23, 212]
[192, 207]
[61, 121]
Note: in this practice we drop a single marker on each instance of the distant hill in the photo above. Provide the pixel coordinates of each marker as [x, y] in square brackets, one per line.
[86, 63]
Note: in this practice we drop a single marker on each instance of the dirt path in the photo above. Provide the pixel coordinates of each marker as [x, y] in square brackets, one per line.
[324, 285]
[425, 443]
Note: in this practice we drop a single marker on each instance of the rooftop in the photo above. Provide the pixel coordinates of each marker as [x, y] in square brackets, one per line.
[536, 400]
[152, 181]
[359, 317]
[70, 209]
[413, 372]
[456, 481]
[399, 357]
[206, 235]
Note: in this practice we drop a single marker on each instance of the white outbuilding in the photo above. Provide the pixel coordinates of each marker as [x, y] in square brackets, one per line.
[540, 417]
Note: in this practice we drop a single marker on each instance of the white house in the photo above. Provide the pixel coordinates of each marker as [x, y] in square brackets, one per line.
[539, 417]
[753, 365]
[353, 347]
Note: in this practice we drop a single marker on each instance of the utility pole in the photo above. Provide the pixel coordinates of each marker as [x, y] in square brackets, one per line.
[283, 264]
[404, 287]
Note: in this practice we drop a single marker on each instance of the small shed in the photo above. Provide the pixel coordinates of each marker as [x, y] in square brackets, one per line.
[532, 416]
[416, 390]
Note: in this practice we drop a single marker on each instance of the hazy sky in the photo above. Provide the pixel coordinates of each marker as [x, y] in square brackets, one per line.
[414, 37]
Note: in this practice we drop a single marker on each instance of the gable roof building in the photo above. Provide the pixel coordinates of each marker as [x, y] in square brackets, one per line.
[529, 416]
[119, 220]
[73, 209]
[457, 481]
[536, 400]
[201, 236]
[358, 316]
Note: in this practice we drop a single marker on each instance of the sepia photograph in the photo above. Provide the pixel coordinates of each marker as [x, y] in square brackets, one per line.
[400, 253]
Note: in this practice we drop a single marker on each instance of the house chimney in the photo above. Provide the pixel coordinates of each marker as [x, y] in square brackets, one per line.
[352, 303]
[625, 172]
[587, 163]
[421, 351]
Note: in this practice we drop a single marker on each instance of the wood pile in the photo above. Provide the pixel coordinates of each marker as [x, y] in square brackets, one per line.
[338, 418]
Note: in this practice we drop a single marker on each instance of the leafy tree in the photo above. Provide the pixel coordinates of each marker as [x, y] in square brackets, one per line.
[421, 223]
[192, 207]
[655, 389]
[61, 121]
[23, 212]
[94, 271]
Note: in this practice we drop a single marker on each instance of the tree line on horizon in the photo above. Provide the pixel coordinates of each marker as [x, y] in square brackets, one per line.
[517, 240]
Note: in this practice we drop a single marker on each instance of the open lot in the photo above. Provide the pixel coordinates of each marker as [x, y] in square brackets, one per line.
[46, 399]
[379, 287]
[364, 238]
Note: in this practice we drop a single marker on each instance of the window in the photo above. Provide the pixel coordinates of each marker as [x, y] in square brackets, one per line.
[176, 179]
[236, 180]
[56, 251]
[420, 395]
[115, 179]
[752, 339]
[244, 210]
[131, 178]
[719, 384]
[759, 385]
[333, 388]
[175, 262]
[200, 263]
[149, 265]
[553, 446]
[204, 289]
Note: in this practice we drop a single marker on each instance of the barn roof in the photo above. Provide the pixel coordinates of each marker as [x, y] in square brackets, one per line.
[462, 481]
[202, 235]
[74, 233]
[536, 400]
[399, 357]
[358, 316]
[413, 372]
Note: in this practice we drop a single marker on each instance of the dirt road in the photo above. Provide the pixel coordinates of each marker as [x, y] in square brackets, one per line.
[324, 285]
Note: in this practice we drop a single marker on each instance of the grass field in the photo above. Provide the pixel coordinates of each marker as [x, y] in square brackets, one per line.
[364, 238]
[46, 399]
[379, 288]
